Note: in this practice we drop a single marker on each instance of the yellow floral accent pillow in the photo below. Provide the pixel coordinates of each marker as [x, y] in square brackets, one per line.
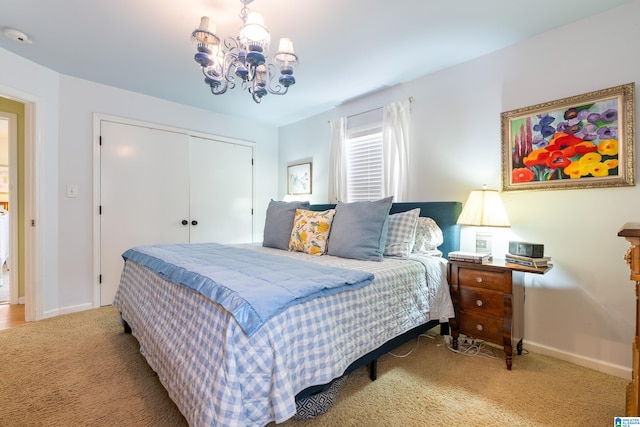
[311, 231]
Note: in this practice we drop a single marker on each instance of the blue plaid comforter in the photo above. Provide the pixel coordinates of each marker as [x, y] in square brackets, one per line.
[219, 376]
[252, 286]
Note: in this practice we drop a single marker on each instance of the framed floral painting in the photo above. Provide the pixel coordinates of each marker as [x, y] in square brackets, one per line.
[584, 141]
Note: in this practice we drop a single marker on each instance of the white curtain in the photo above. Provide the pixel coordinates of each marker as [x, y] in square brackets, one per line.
[337, 161]
[395, 149]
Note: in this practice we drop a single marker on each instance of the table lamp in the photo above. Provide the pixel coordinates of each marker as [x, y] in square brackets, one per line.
[484, 208]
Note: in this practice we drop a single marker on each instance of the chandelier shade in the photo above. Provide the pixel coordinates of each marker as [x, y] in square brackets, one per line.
[244, 58]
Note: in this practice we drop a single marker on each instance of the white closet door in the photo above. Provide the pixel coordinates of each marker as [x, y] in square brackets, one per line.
[221, 188]
[144, 194]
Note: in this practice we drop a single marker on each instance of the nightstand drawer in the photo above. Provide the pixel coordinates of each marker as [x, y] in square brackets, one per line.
[489, 303]
[483, 327]
[481, 278]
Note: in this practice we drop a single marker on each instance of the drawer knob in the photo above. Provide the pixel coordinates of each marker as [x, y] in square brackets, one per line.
[479, 327]
[479, 303]
[479, 279]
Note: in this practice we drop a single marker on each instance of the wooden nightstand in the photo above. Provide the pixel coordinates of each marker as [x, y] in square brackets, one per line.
[485, 304]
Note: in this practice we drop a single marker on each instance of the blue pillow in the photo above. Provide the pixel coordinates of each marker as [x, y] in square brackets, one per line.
[279, 223]
[359, 230]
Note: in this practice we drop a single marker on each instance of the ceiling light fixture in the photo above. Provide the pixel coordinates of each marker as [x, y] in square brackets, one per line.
[16, 35]
[243, 57]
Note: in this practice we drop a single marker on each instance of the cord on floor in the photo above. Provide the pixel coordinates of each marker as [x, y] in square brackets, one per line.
[477, 349]
[414, 347]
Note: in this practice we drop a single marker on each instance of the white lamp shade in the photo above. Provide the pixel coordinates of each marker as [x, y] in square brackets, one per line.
[484, 208]
[205, 34]
[254, 29]
[285, 46]
[285, 54]
[255, 18]
[205, 25]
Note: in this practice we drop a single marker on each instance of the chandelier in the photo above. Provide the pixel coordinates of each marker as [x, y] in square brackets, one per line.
[244, 57]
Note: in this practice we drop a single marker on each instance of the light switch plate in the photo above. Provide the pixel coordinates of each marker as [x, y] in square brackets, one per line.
[72, 191]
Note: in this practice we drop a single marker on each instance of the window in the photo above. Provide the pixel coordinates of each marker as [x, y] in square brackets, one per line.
[369, 154]
[364, 161]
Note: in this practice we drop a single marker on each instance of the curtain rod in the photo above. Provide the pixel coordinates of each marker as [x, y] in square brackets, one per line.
[365, 112]
[373, 109]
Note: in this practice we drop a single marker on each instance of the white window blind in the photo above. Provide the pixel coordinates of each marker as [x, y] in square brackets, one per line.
[364, 157]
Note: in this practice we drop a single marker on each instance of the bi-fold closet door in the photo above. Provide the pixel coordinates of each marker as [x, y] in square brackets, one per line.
[159, 186]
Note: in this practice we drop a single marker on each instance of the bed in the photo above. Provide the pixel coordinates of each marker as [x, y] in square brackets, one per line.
[222, 364]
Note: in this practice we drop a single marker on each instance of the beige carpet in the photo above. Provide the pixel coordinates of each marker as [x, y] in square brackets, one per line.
[82, 370]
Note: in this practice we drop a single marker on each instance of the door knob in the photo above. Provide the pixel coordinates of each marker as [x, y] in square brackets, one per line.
[194, 222]
[185, 222]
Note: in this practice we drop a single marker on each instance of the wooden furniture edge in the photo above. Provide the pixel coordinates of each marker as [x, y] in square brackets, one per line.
[630, 229]
[500, 264]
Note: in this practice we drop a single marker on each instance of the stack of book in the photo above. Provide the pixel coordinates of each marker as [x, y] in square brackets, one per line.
[475, 257]
[527, 261]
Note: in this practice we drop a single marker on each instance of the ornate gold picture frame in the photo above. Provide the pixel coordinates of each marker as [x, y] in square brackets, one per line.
[584, 141]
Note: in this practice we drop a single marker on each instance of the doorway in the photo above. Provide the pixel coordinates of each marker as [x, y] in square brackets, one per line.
[8, 135]
[17, 198]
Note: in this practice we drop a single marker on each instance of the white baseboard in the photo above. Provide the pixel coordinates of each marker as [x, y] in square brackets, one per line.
[587, 362]
[67, 310]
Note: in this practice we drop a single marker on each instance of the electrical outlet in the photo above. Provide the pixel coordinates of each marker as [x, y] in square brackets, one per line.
[469, 341]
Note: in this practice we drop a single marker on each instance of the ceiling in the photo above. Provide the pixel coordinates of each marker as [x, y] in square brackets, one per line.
[347, 48]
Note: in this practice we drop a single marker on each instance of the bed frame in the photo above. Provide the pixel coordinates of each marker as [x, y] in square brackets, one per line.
[445, 214]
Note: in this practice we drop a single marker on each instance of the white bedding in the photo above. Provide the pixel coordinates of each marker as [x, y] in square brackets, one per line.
[218, 376]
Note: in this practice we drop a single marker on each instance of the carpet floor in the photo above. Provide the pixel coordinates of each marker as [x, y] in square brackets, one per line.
[82, 370]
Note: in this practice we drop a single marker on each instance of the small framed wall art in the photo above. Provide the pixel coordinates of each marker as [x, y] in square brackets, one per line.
[299, 179]
[4, 179]
[584, 141]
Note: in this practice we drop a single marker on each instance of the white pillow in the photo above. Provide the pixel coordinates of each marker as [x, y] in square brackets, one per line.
[428, 235]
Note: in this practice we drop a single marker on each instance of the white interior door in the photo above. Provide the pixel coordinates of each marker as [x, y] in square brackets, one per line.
[144, 194]
[221, 187]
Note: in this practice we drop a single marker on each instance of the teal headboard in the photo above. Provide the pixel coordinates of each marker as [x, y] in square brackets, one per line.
[445, 214]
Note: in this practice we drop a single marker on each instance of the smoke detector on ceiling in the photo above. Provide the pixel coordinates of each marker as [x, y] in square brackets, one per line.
[16, 35]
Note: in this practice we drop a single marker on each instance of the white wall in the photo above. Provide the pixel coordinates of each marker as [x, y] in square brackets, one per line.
[79, 100]
[28, 82]
[583, 310]
[66, 106]
[301, 142]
